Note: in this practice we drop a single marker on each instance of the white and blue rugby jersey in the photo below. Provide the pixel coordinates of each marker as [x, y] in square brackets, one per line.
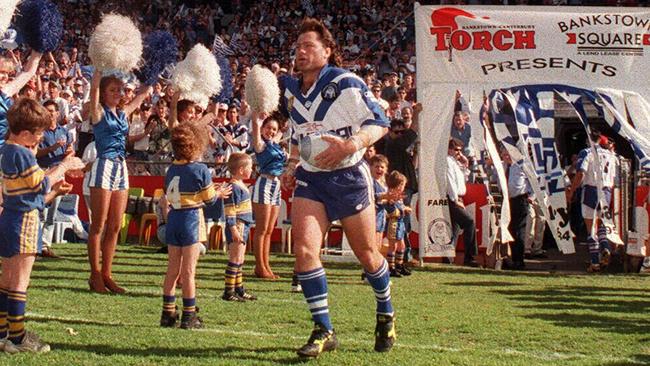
[339, 102]
[606, 173]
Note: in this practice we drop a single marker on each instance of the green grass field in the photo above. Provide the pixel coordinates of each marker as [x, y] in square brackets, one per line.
[445, 316]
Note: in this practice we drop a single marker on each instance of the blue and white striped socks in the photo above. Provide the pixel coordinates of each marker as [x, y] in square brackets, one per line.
[602, 237]
[314, 288]
[380, 282]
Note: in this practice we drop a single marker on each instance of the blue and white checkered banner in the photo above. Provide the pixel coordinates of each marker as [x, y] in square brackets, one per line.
[540, 160]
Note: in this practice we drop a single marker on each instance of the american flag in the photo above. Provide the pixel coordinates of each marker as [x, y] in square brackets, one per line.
[219, 47]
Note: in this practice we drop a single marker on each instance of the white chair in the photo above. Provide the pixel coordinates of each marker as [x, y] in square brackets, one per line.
[65, 216]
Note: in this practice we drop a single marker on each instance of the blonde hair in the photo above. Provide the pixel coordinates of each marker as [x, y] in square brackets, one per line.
[238, 160]
[379, 159]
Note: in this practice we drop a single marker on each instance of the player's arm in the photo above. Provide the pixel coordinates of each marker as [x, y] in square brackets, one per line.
[577, 181]
[13, 87]
[288, 179]
[584, 163]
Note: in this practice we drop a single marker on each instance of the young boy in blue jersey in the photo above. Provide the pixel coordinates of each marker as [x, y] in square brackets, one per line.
[188, 187]
[239, 217]
[396, 229]
[26, 189]
[378, 167]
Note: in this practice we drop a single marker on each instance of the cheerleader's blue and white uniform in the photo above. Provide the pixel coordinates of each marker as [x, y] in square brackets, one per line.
[270, 163]
[109, 171]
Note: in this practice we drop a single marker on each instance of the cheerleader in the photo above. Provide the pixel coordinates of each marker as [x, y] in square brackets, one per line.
[109, 179]
[266, 194]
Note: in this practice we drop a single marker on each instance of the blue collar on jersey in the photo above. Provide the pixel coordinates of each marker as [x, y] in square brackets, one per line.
[315, 89]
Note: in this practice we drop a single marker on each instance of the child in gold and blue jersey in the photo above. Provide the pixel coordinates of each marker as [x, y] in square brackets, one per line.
[188, 187]
[396, 229]
[26, 188]
[239, 217]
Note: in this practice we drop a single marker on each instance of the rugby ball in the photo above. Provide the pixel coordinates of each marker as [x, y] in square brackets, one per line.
[312, 145]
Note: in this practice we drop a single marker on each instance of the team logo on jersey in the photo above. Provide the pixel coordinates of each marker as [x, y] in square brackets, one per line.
[290, 104]
[330, 91]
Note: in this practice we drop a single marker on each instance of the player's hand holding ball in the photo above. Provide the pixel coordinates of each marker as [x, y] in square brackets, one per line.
[326, 151]
[334, 155]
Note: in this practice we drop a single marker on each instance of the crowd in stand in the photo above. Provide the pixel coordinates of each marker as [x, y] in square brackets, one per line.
[377, 42]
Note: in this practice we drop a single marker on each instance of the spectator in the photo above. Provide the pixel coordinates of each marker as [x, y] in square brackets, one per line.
[389, 92]
[376, 92]
[234, 133]
[396, 146]
[460, 129]
[139, 132]
[519, 195]
[54, 94]
[456, 189]
[56, 143]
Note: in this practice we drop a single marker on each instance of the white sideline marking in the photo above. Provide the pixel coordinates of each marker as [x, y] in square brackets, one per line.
[546, 356]
[77, 320]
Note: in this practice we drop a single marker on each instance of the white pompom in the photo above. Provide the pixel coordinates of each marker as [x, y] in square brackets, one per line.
[197, 76]
[262, 90]
[116, 43]
[7, 8]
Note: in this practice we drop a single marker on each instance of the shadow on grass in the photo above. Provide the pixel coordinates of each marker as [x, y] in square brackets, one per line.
[441, 268]
[231, 352]
[603, 323]
[594, 301]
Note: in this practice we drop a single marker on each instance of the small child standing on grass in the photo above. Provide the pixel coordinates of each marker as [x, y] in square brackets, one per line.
[188, 187]
[396, 211]
[25, 190]
[239, 217]
[378, 167]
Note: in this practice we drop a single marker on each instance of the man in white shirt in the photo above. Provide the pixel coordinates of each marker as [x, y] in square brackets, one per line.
[455, 191]
[520, 197]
